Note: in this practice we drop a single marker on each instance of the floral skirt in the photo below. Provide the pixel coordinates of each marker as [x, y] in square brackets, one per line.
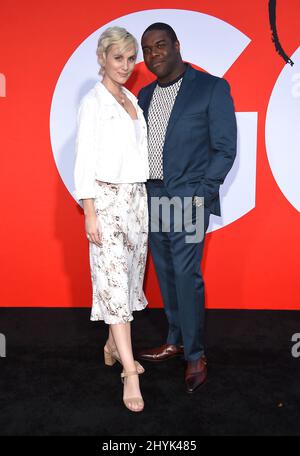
[118, 265]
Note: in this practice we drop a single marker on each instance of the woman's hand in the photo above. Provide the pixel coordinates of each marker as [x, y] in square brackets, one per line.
[93, 229]
[92, 224]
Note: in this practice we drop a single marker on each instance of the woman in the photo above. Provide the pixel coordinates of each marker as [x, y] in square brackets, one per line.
[110, 170]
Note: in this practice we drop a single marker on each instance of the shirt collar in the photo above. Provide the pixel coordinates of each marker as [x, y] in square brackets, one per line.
[167, 84]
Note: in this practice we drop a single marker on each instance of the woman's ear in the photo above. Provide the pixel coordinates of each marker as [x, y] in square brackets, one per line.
[102, 60]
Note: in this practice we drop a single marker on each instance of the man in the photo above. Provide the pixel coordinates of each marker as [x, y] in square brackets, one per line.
[192, 146]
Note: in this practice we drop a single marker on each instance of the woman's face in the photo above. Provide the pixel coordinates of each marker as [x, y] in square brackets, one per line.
[119, 64]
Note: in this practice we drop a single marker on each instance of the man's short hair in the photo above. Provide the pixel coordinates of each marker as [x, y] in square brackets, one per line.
[162, 26]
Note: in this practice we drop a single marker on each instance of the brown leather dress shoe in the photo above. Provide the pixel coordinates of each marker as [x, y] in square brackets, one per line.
[195, 374]
[161, 353]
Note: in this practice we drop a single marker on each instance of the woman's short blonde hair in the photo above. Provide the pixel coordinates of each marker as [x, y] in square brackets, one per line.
[111, 36]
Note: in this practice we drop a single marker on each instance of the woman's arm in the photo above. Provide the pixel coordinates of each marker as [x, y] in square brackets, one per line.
[92, 226]
[85, 166]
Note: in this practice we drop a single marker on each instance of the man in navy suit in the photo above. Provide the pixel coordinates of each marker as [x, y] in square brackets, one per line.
[192, 146]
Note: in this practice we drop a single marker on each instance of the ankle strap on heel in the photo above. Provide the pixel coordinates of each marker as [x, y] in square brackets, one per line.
[127, 374]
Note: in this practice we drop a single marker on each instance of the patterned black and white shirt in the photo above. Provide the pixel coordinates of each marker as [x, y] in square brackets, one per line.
[160, 109]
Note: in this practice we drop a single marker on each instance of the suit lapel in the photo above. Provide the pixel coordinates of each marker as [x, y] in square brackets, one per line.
[148, 98]
[182, 99]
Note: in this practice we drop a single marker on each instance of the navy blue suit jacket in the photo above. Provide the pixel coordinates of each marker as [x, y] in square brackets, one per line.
[200, 142]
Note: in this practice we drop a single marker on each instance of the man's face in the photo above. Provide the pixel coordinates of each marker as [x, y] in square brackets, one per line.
[161, 55]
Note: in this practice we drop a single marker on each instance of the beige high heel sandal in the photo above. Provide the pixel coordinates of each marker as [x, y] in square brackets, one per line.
[111, 356]
[137, 400]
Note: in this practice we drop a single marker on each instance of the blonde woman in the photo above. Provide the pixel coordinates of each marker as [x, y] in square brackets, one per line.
[111, 168]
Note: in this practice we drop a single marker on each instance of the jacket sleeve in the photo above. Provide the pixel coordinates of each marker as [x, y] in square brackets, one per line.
[223, 137]
[85, 158]
[140, 97]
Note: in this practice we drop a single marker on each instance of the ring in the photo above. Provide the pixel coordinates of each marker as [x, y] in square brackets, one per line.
[88, 236]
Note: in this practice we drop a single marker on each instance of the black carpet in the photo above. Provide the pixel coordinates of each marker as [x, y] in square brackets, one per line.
[53, 380]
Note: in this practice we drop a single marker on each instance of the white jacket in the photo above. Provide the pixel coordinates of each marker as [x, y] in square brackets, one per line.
[106, 146]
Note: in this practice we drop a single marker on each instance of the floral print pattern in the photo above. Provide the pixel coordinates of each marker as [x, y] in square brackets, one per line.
[118, 265]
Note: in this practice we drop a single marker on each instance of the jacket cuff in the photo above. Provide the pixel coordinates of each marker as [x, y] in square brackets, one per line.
[84, 194]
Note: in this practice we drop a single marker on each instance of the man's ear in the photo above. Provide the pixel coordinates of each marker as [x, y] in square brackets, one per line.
[177, 46]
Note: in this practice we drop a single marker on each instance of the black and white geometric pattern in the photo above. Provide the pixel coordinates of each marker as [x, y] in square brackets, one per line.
[160, 109]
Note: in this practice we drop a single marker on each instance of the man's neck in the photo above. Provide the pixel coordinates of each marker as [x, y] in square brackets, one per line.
[179, 70]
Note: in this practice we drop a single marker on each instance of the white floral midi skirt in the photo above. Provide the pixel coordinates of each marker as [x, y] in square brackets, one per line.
[118, 265]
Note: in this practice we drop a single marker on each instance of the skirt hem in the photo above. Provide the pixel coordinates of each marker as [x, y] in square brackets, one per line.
[116, 320]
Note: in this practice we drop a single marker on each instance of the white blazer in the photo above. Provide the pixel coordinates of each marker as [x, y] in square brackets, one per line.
[106, 145]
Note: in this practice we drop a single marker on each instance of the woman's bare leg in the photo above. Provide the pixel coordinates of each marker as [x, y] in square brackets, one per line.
[121, 334]
[111, 339]
[112, 345]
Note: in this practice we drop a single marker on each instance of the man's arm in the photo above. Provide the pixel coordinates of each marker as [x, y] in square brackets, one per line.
[223, 137]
